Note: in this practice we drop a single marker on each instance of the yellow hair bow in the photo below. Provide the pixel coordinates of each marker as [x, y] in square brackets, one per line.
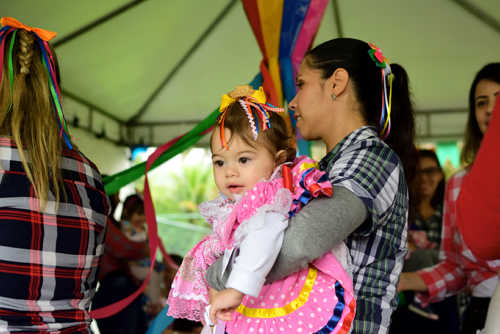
[46, 35]
[253, 103]
[242, 91]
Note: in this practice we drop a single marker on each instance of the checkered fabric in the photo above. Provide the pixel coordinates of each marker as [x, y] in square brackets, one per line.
[49, 260]
[458, 267]
[432, 226]
[365, 165]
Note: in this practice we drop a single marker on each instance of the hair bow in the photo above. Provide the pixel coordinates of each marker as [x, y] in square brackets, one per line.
[239, 92]
[383, 63]
[253, 102]
[45, 35]
[42, 36]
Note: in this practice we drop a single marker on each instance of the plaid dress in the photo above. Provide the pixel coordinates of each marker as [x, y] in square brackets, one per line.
[49, 260]
[366, 166]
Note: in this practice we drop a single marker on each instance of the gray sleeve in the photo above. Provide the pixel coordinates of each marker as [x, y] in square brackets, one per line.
[315, 230]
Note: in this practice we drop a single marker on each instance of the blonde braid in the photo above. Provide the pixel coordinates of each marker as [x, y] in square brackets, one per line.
[25, 54]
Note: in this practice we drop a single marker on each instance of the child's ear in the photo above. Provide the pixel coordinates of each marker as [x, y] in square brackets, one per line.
[280, 157]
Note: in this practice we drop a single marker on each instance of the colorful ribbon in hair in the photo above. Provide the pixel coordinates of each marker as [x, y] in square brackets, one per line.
[387, 78]
[254, 103]
[42, 37]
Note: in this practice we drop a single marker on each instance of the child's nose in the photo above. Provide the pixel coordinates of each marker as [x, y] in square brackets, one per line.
[231, 170]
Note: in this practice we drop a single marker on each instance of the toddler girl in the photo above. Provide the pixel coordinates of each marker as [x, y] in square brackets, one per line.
[261, 186]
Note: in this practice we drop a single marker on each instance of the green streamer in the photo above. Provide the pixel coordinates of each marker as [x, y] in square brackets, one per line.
[11, 69]
[115, 182]
[55, 98]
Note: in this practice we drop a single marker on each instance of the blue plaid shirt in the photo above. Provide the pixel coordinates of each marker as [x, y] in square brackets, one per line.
[366, 166]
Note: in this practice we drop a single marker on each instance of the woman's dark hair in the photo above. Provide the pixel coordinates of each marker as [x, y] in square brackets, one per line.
[438, 197]
[473, 135]
[352, 55]
[132, 204]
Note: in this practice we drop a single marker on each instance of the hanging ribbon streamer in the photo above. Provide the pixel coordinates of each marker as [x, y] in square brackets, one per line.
[294, 13]
[307, 32]
[270, 13]
[387, 77]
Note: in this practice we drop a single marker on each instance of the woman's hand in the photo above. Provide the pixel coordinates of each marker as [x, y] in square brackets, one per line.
[224, 303]
[411, 281]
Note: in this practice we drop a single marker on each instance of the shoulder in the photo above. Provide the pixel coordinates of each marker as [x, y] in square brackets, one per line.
[75, 166]
[370, 163]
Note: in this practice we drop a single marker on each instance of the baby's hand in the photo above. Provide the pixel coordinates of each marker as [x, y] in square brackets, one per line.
[224, 303]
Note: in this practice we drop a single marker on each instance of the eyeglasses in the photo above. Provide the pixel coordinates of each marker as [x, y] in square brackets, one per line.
[429, 171]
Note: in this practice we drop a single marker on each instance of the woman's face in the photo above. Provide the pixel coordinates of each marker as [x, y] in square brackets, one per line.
[311, 104]
[428, 177]
[484, 102]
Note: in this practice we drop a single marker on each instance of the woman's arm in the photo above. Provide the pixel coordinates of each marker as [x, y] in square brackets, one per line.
[448, 276]
[315, 230]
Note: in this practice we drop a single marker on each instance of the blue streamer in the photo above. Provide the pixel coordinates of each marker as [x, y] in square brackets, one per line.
[294, 13]
[161, 322]
[55, 99]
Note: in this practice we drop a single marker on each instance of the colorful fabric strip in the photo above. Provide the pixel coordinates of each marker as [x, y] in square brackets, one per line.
[337, 311]
[54, 90]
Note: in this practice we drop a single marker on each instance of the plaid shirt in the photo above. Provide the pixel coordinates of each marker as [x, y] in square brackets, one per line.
[366, 166]
[458, 267]
[426, 233]
[49, 260]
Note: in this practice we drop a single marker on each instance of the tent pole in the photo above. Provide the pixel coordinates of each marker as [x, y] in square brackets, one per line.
[96, 23]
[183, 60]
[479, 14]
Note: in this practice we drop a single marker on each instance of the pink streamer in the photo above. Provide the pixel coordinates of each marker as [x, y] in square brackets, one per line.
[307, 32]
[2, 48]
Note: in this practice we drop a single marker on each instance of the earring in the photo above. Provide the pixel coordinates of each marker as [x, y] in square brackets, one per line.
[334, 97]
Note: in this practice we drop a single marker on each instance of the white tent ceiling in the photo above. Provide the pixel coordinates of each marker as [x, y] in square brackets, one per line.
[149, 70]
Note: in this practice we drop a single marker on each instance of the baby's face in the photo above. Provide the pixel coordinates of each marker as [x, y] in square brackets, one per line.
[138, 220]
[239, 168]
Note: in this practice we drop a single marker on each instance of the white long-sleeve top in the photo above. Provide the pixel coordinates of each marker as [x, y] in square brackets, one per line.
[258, 241]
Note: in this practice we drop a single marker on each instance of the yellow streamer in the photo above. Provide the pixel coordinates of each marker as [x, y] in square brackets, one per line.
[270, 14]
[389, 103]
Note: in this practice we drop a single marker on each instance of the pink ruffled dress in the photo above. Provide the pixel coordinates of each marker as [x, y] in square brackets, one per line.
[319, 298]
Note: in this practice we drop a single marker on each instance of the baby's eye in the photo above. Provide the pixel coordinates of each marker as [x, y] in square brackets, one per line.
[218, 163]
[244, 160]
